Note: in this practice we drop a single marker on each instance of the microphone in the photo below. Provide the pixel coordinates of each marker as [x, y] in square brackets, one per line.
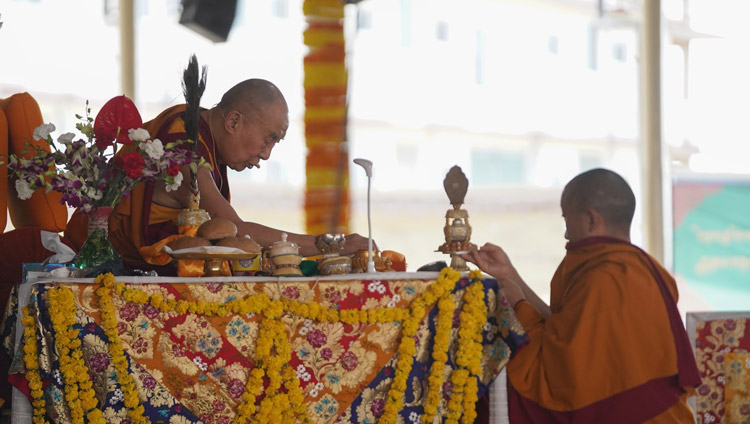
[366, 164]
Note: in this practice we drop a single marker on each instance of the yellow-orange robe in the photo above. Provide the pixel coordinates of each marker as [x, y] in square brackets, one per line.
[137, 221]
[613, 350]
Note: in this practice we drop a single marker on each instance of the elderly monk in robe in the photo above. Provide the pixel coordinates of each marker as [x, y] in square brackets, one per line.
[238, 133]
[610, 347]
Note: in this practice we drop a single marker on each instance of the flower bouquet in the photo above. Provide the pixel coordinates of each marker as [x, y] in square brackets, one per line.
[92, 175]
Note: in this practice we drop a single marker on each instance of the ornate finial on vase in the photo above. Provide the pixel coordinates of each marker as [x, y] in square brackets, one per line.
[456, 185]
[457, 230]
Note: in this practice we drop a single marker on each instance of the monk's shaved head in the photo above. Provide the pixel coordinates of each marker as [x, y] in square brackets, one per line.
[255, 93]
[252, 118]
[604, 191]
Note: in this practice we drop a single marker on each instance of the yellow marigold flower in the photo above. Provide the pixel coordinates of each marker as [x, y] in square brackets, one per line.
[475, 274]
[432, 296]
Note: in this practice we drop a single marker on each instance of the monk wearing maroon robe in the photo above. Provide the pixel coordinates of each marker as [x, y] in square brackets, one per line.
[610, 347]
[237, 133]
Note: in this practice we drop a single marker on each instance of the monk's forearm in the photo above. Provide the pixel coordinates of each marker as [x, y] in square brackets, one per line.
[536, 301]
[516, 290]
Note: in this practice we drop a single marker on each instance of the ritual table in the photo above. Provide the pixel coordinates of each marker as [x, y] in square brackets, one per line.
[360, 348]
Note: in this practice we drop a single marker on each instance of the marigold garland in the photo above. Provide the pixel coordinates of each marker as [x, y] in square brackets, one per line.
[79, 392]
[116, 351]
[470, 400]
[273, 380]
[469, 355]
[441, 343]
[31, 360]
[407, 348]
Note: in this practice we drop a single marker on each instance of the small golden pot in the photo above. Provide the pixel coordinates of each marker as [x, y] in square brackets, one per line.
[359, 261]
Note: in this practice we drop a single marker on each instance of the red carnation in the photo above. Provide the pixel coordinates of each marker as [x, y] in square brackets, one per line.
[132, 163]
[173, 170]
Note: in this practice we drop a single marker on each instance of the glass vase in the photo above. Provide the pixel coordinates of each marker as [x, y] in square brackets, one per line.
[97, 249]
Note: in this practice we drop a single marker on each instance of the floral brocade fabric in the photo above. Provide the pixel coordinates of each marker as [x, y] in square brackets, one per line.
[721, 350]
[189, 368]
[737, 387]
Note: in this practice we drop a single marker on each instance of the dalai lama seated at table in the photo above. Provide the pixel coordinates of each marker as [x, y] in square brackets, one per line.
[238, 133]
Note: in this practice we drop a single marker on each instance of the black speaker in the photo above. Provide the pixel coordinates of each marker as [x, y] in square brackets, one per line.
[210, 18]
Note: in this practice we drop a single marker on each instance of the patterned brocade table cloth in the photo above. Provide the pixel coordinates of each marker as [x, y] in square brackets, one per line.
[333, 343]
[721, 343]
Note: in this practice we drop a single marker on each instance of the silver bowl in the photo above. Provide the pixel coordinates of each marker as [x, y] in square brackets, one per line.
[330, 244]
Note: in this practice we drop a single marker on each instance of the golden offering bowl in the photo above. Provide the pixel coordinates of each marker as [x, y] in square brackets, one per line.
[359, 261]
[212, 267]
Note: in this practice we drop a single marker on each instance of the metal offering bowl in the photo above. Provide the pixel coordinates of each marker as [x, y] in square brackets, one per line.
[330, 244]
[335, 265]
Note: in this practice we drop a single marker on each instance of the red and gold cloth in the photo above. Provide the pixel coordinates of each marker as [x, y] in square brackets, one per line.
[189, 367]
[721, 349]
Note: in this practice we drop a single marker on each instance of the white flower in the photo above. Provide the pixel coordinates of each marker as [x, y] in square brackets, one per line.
[66, 138]
[42, 132]
[154, 149]
[139, 134]
[118, 396]
[93, 193]
[199, 362]
[177, 181]
[23, 189]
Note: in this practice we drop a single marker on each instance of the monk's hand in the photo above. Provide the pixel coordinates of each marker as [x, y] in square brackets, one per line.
[493, 260]
[355, 242]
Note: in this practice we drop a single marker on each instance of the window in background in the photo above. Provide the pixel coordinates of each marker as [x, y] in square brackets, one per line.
[552, 44]
[619, 52]
[364, 18]
[492, 167]
[406, 23]
[590, 160]
[441, 30]
[280, 8]
[481, 51]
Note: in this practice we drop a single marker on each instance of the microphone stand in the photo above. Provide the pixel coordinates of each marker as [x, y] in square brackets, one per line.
[367, 166]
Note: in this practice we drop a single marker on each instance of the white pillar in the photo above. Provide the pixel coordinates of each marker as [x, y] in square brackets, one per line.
[651, 130]
[127, 48]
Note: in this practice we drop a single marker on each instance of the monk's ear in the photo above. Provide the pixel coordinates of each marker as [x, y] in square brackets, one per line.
[594, 221]
[232, 121]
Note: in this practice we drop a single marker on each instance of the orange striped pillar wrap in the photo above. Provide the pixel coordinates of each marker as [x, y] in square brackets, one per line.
[327, 204]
